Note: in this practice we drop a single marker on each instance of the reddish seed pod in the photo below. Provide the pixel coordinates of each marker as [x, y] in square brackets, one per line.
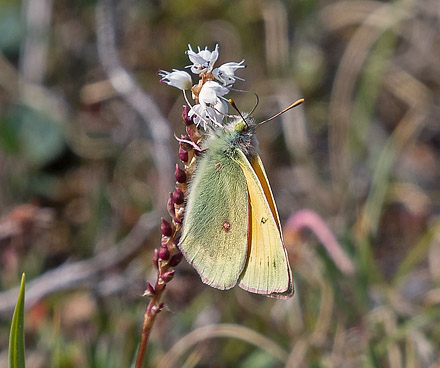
[183, 155]
[186, 119]
[164, 253]
[150, 290]
[178, 196]
[165, 227]
[175, 259]
[180, 175]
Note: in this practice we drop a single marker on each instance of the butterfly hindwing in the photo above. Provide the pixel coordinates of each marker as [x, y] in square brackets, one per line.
[214, 238]
[267, 270]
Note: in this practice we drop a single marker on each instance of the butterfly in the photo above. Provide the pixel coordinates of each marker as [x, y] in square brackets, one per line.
[231, 227]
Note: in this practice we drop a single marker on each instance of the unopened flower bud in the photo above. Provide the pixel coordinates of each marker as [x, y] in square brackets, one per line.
[178, 196]
[175, 259]
[166, 228]
[164, 253]
[150, 290]
[176, 78]
[167, 276]
[186, 119]
[183, 155]
[180, 175]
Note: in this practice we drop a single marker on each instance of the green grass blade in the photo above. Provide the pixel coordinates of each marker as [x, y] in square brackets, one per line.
[417, 253]
[16, 337]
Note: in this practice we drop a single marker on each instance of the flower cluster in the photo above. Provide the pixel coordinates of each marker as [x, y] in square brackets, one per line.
[210, 106]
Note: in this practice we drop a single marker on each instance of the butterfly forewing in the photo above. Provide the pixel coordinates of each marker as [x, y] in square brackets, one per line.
[267, 269]
[214, 238]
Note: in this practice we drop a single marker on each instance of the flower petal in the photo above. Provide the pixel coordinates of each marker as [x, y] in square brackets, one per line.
[203, 60]
[210, 93]
[226, 73]
[176, 78]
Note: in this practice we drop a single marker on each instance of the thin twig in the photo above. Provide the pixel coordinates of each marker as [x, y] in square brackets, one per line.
[153, 309]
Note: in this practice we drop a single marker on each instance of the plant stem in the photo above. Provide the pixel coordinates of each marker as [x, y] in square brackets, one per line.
[149, 319]
[168, 255]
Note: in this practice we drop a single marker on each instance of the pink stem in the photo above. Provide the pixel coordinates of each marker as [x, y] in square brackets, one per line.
[310, 219]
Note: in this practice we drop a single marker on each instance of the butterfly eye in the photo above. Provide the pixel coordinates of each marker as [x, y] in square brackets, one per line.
[239, 127]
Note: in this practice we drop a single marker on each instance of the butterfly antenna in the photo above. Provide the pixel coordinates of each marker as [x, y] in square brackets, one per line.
[291, 106]
[256, 103]
[232, 103]
[256, 97]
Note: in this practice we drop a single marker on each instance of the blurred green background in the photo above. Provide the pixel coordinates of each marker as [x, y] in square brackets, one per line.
[86, 148]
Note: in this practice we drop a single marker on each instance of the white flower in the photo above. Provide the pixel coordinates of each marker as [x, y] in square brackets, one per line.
[199, 115]
[203, 115]
[210, 93]
[226, 73]
[203, 61]
[176, 78]
[212, 107]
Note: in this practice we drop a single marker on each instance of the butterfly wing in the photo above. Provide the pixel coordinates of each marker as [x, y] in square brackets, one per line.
[267, 269]
[214, 239]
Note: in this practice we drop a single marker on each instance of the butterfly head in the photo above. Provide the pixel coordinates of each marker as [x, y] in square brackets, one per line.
[240, 126]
